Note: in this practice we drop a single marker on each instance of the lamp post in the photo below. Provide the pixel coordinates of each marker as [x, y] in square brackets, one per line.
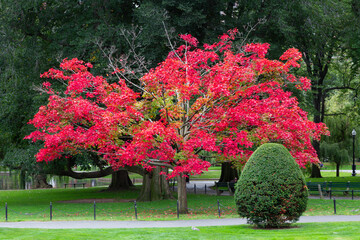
[353, 166]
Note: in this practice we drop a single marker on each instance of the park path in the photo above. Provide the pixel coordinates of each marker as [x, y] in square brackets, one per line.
[162, 224]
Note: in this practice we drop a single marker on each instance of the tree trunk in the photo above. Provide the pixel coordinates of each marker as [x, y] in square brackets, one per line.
[22, 179]
[318, 75]
[315, 170]
[182, 195]
[337, 170]
[228, 173]
[155, 187]
[120, 180]
[40, 181]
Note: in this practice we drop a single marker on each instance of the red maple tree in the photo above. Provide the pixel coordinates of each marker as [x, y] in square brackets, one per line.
[198, 99]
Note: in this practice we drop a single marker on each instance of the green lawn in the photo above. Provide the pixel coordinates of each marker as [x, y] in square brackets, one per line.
[25, 205]
[331, 176]
[214, 173]
[338, 230]
[210, 174]
[28, 205]
[331, 166]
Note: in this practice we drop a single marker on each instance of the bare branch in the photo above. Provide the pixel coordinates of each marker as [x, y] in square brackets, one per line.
[171, 45]
[156, 162]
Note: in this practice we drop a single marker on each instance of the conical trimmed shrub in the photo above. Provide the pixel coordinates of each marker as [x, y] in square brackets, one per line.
[271, 191]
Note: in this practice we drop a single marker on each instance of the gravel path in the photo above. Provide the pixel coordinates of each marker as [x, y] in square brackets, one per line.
[161, 224]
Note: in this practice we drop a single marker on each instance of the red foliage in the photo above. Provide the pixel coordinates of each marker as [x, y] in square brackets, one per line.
[209, 99]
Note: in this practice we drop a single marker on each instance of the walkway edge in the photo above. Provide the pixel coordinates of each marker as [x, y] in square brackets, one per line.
[162, 224]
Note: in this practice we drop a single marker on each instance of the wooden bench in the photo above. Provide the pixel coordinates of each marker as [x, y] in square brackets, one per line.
[74, 184]
[220, 187]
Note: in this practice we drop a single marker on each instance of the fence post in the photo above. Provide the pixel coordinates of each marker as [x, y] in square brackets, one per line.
[6, 212]
[334, 206]
[94, 210]
[177, 208]
[205, 189]
[135, 207]
[219, 208]
[50, 211]
[195, 188]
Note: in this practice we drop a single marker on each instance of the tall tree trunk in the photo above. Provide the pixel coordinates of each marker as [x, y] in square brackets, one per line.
[317, 69]
[337, 170]
[22, 179]
[315, 170]
[228, 173]
[182, 195]
[155, 187]
[120, 180]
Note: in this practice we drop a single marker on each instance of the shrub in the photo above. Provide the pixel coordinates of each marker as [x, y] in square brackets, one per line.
[271, 191]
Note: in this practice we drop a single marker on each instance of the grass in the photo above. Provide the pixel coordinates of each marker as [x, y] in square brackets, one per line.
[331, 176]
[26, 205]
[338, 230]
[37, 205]
[34, 205]
[210, 174]
[318, 207]
[214, 173]
[331, 166]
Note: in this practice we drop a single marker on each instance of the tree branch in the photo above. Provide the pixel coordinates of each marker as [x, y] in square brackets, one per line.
[98, 174]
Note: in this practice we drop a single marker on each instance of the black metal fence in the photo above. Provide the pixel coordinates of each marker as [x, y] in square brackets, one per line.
[133, 211]
[136, 209]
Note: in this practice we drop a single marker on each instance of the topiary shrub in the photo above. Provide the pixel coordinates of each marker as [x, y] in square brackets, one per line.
[271, 191]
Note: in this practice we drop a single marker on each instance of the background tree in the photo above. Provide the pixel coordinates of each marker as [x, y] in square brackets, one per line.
[320, 30]
[338, 148]
[336, 154]
[33, 31]
[341, 111]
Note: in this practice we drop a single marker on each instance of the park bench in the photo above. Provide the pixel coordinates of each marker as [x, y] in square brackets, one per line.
[317, 187]
[354, 186]
[344, 187]
[74, 184]
[338, 187]
[220, 187]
